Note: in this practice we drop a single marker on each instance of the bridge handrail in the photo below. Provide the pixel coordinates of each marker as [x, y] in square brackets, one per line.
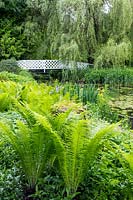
[50, 64]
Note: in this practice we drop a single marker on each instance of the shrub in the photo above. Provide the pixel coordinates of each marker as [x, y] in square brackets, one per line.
[6, 76]
[10, 46]
[9, 65]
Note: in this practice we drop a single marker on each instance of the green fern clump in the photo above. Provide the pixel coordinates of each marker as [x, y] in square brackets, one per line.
[77, 142]
[31, 143]
[80, 148]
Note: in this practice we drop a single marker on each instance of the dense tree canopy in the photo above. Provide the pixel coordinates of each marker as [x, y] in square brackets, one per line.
[96, 31]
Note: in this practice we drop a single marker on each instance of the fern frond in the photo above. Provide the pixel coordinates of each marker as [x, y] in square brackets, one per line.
[95, 142]
[58, 142]
[80, 149]
[5, 102]
[32, 144]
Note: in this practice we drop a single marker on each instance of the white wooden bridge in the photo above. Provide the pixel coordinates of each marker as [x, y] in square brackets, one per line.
[50, 64]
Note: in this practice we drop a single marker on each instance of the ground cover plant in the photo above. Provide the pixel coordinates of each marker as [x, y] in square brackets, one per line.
[54, 144]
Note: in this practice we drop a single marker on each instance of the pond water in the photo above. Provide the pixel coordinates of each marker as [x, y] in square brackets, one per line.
[122, 102]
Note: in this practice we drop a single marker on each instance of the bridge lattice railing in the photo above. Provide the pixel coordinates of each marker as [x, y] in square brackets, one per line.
[49, 64]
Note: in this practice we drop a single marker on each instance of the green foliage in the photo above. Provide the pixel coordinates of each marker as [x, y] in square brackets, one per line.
[69, 30]
[10, 171]
[32, 144]
[76, 144]
[7, 91]
[107, 179]
[113, 54]
[83, 93]
[11, 29]
[10, 174]
[25, 77]
[111, 178]
[127, 152]
[4, 102]
[12, 7]
[10, 47]
[10, 89]
[51, 186]
[79, 152]
[116, 76]
[104, 110]
[60, 150]
[120, 25]
[9, 65]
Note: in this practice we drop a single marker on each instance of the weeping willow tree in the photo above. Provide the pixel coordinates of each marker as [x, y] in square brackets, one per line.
[113, 54]
[80, 30]
[40, 17]
[117, 50]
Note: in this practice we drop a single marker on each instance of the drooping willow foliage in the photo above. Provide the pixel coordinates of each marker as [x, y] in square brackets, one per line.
[113, 54]
[78, 30]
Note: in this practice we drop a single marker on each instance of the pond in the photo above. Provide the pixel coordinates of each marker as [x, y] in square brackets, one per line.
[122, 102]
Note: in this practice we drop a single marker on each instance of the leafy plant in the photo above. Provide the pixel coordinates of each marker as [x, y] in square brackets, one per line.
[10, 47]
[5, 102]
[9, 90]
[126, 158]
[80, 153]
[76, 144]
[11, 177]
[9, 65]
[31, 142]
[48, 131]
[5, 76]
[107, 178]
[10, 173]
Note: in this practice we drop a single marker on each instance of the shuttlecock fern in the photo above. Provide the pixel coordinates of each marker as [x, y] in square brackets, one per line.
[76, 145]
[32, 144]
[80, 151]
